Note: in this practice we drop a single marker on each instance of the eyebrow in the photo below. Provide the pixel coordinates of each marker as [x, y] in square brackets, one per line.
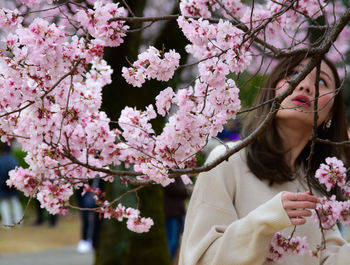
[323, 72]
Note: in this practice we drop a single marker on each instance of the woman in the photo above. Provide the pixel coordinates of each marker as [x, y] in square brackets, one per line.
[237, 207]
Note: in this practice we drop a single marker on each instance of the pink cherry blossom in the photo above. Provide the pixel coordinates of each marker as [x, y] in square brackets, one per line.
[52, 196]
[98, 23]
[10, 19]
[344, 216]
[328, 211]
[195, 8]
[164, 100]
[152, 64]
[281, 247]
[139, 225]
[23, 180]
[34, 3]
[332, 173]
[234, 7]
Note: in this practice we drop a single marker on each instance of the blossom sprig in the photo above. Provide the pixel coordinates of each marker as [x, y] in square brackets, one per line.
[134, 222]
[10, 19]
[332, 173]
[282, 247]
[152, 64]
[328, 212]
[164, 101]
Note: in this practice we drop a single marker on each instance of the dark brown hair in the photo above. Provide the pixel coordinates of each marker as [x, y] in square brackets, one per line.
[266, 158]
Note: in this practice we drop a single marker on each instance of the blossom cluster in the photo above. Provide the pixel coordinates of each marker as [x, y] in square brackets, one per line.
[222, 41]
[330, 211]
[99, 25]
[202, 111]
[152, 64]
[282, 247]
[164, 100]
[34, 3]
[204, 8]
[332, 173]
[10, 19]
[51, 92]
[134, 222]
[266, 15]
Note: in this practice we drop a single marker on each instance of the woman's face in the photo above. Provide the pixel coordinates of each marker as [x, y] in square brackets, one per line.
[299, 105]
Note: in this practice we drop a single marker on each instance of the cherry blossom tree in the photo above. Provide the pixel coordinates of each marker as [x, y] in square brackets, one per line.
[52, 74]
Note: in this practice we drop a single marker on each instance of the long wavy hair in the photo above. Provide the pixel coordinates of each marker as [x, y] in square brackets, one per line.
[266, 157]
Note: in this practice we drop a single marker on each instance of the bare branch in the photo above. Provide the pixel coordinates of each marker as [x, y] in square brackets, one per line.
[128, 7]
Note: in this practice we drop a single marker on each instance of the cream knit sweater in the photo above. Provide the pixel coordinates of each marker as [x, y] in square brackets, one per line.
[233, 215]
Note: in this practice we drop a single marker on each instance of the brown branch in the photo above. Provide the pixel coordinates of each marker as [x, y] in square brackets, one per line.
[279, 53]
[145, 19]
[326, 141]
[42, 10]
[139, 29]
[109, 204]
[128, 7]
[314, 126]
[107, 171]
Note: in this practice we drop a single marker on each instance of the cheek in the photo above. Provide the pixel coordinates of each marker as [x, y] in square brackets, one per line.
[325, 104]
[326, 100]
[281, 86]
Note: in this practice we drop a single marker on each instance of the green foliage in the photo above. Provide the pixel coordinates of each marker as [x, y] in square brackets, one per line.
[248, 87]
[20, 155]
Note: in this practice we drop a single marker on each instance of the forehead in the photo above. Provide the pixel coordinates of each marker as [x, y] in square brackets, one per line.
[324, 66]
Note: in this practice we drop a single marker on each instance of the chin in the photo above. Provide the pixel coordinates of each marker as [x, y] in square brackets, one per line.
[296, 117]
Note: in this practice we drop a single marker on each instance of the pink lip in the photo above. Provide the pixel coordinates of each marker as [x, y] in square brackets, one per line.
[302, 100]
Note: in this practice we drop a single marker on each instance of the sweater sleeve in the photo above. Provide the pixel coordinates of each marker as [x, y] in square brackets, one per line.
[213, 232]
[337, 251]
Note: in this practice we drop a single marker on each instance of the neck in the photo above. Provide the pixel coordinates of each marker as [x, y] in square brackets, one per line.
[294, 138]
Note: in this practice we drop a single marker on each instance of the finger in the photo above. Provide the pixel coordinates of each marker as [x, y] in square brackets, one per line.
[299, 205]
[298, 221]
[306, 196]
[289, 196]
[299, 196]
[298, 213]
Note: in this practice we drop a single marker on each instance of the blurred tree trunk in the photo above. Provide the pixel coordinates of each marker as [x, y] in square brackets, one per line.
[118, 245]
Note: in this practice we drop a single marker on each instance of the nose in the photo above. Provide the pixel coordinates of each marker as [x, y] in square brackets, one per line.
[305, 88]
[307, 85]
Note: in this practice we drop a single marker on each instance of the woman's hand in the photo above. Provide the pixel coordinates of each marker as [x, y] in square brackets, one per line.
[297, 205]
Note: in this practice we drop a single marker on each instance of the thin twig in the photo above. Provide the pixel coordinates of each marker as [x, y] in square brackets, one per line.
[128, 7]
